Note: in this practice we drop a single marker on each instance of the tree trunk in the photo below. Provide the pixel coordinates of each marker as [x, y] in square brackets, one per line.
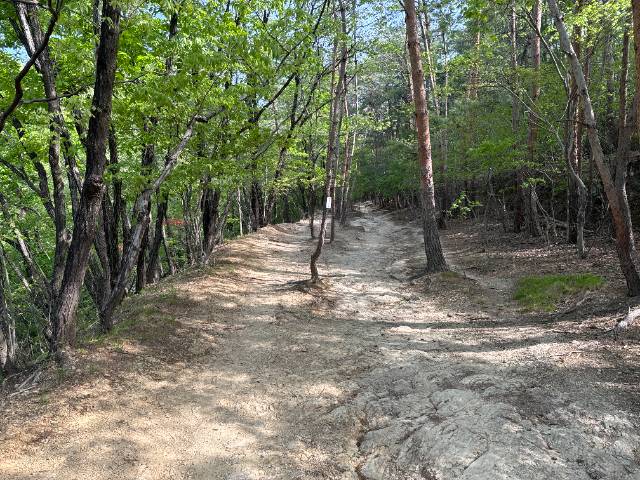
[577, 191]
[63, 317]
[313, 196]
[209, 206]
[575, 155]
[350, 147]
[513, 38]
[257, 209]
[213, 221]
[334, 168]
[33, 37]
[218, 227]
[344, 182]
[272, 197]
[446, 194]
[518, 210]
[286, 208]
[332, 144]
[425, 30]
[530, 199]
[112, 212]
[303, 200]
[191, 226]
[151, 274]
[141, 215]
[158, 239]
[8, 341]
[148, 158]
[626, 127]
[435, 258]
[636, 39]
[239, 205]
[173, 268]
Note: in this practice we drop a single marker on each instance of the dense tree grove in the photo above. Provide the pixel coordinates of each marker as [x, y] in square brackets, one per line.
[136, 136]
[143, 134]
[533, 118]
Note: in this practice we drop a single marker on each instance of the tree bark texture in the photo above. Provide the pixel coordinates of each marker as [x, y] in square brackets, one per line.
[63, 317]
[435, 257]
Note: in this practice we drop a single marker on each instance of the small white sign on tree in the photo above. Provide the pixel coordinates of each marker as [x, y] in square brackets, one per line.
[328, 203]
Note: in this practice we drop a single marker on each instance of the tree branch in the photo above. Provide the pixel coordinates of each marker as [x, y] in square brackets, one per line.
[55, 13]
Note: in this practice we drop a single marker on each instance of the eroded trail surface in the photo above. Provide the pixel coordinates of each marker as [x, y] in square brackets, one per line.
[236, 372]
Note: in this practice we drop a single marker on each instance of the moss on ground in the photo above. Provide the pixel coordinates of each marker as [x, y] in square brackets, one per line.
[545, 291]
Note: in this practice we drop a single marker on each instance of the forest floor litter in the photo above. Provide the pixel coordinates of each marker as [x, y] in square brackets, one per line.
[232, 372]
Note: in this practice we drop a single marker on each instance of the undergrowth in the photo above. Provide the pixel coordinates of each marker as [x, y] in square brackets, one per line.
[145, 317]
[545, 291]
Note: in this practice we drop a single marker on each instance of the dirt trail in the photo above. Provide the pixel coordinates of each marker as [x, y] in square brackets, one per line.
[236, 373]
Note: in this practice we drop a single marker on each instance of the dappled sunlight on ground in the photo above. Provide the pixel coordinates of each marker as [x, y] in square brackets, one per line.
[234, 372]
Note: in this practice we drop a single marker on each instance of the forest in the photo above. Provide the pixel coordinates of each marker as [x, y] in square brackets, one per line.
[179, 174]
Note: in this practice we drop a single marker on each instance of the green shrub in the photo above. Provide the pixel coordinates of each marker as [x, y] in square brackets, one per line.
[463, 206]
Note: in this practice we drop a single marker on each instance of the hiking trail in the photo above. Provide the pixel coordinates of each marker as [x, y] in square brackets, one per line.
[234, 372]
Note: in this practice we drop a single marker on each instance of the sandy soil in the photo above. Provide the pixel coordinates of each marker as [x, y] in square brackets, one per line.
[236, 372]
